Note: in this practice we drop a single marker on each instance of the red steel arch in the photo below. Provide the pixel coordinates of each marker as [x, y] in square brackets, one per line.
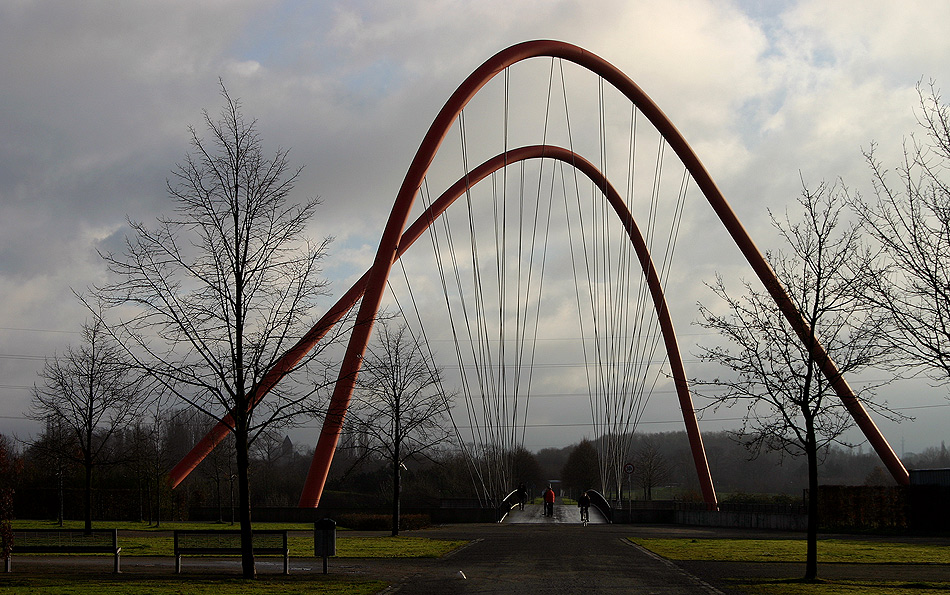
[387, 252]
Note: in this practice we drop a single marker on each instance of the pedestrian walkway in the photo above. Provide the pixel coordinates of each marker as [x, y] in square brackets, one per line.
[563, 514]
[548, 557]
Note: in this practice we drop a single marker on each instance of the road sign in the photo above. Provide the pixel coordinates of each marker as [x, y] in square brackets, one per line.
[628, 468]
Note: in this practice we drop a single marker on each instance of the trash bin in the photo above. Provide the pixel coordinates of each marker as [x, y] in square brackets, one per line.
[324, 538]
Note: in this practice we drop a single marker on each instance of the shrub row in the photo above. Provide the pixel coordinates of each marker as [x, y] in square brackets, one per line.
[382, 522]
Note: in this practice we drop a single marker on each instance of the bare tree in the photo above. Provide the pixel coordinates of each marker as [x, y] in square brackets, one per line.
[909, 218]
[524, 467]
[151, 462]
[53, 449]
[581, 471]
[791, 405]
[10, 467]
[650, 467]
[399, 405]
[933, 457]
[221, 289]
[90, 392]
[219, 471]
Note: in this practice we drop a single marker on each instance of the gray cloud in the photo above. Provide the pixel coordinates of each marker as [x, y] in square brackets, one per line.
[97, 99]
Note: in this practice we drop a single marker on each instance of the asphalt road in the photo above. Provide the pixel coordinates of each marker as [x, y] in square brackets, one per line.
[548, 558]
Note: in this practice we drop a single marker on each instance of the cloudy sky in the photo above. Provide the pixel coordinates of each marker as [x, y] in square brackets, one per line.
[97, 98]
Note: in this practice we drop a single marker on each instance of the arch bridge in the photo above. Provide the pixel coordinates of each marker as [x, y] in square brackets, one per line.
[397, 238]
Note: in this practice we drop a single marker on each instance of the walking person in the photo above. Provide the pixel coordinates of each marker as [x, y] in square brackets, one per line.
[522, 496]
[549, 501]
[584, 504]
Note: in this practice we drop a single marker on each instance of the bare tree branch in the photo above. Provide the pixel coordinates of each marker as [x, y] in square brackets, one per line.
[399, 405]
[90, 393]
[909, 219]
[209, 299]
[790, 405]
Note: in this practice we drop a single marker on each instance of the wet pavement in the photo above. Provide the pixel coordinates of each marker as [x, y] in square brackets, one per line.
[563, 514]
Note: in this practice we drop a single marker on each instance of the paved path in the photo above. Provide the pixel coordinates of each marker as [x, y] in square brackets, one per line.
[563, 514]
[547, 558]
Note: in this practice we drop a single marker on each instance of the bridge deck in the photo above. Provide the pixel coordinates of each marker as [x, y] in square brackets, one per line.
[563, 514]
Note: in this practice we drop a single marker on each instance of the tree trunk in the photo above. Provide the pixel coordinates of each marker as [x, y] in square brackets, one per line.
[87, 505]
[811, 448]
[59, 489]
[217, 495]
[148, 499]
[397, 488]
[397, 459]
[244, 504]
[158, 502]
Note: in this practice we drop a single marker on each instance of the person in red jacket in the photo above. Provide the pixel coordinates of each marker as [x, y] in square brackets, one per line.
[549, 502]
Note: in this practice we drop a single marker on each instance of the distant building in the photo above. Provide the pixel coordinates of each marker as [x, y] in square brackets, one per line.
[930, 477]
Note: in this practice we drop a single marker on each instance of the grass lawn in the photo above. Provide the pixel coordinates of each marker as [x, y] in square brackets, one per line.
[165, 526]
[151, 541]
[65, 585]
[301, 546]
[830, 551]
[793, 550]
[839, 587]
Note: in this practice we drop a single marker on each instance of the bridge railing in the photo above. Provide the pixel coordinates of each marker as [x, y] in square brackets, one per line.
[598, 501]
[507, 504]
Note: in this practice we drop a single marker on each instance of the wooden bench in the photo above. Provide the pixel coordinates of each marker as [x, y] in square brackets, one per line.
[65, 541]
[212, 542]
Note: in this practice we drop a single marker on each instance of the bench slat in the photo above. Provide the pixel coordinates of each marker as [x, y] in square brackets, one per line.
[212, 542]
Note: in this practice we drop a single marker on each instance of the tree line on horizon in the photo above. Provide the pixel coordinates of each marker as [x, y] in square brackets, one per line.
[131, 483]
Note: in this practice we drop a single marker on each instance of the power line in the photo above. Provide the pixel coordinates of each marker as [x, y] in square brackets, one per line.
[921, 407]
[19, 356]
[37, 330]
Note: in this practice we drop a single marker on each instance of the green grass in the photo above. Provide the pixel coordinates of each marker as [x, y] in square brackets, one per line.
[838, 587]
[830, 551]
[393, 547]
[793, 550]
[165, 526]
[139, 539]
[84, 585]
[301, 545]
